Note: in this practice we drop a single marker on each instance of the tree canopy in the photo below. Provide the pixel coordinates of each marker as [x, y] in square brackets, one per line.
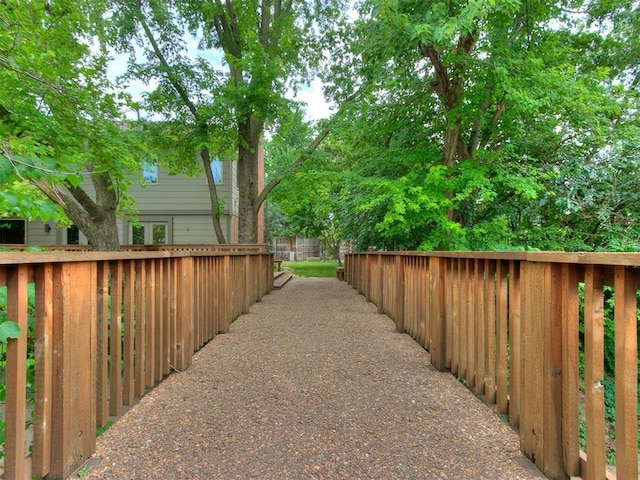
[491, 125]
[459, 124]
[60, 120]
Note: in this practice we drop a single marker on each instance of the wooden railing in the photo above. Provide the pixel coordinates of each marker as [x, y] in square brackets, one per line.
[212, 248]
[507, 324]
[108, 327]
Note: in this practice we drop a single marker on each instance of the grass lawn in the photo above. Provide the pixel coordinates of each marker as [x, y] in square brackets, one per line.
[311, 269]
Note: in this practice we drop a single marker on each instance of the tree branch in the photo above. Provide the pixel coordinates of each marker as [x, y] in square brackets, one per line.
[308, 151]
[182, 92]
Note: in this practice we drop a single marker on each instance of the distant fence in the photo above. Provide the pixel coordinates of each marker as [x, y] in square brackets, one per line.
[106, 328]
[507, 324]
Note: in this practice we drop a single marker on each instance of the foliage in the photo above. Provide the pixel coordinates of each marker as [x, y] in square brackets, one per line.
[60, 120]
[490, 125]
[265, 48]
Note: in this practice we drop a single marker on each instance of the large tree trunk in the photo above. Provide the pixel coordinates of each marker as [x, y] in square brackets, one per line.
[96, 219]
[250, 133]
[102, 232]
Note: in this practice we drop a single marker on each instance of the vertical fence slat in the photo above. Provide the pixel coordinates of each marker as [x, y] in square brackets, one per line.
[626, 351]
[515, 344]
[44, 381]
[399, 300]
[470, 330]
[490, 332]
[594, 372]
[448, 292]
[380, 295]
[128, 387]
[455, 312]
[570, 370]
[184, 300]
[532, 380]
[16, 385]
[115, 343]
[437, 329]
[140, 316]
[150, 324]
[502, 315]
[162, 366]
[480, 321]
[102, 346]
[552, 462]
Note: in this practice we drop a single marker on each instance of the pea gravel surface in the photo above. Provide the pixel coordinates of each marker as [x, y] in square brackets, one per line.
[311, 384]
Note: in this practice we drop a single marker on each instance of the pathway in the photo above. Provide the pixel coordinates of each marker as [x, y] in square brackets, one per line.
[311, 384]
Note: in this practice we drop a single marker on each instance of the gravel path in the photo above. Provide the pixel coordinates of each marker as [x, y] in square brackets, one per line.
[311, 384]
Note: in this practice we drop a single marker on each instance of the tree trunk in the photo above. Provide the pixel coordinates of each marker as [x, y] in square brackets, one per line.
[213, 195]
[96, 219]
[250, 133]
[102, 233]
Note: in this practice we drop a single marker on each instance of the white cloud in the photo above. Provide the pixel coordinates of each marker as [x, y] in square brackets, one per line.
[313, 97]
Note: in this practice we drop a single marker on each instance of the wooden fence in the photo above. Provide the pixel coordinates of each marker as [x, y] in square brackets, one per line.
[108, 327]
[211, 248]
[507, 324]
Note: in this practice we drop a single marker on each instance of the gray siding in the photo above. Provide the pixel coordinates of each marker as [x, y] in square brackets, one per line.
[180, 201]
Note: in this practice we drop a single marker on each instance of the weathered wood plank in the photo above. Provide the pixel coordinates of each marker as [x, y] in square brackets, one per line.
[74, 338]
[480, 321]
[502, 315]
[140, 315]
[534, 313]
[552, 461]
[115, 342]
[102, 345]
[128, 376]
[626, 351]
[399, 300]
[150, 323]
[490, 332]
[570, 369]
[515, 344]
[44, 370]
[594, 372]
[15, 406]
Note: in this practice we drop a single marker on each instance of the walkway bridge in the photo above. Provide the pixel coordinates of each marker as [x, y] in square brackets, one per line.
[314, 381]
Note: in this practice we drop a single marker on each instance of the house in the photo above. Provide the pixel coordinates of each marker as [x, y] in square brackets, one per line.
[172, 209]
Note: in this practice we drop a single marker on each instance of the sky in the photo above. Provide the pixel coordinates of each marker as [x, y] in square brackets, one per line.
[311, 95]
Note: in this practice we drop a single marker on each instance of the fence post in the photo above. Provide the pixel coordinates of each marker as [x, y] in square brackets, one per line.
[541, 381]
[73, 419]
[399, 294]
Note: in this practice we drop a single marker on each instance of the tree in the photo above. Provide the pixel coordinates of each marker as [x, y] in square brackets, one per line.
[476, 113]
[60, 121]
[268, 47]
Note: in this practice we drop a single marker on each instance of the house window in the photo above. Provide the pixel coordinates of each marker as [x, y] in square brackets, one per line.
[12, 231]
[150, 172]
[216, 170]
[73, 235]
[149, 233]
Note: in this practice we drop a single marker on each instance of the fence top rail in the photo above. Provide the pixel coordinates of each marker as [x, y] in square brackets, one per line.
[19, 258]
[630, 259]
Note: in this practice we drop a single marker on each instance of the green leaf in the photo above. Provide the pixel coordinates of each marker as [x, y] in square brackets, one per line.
[9, 330]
